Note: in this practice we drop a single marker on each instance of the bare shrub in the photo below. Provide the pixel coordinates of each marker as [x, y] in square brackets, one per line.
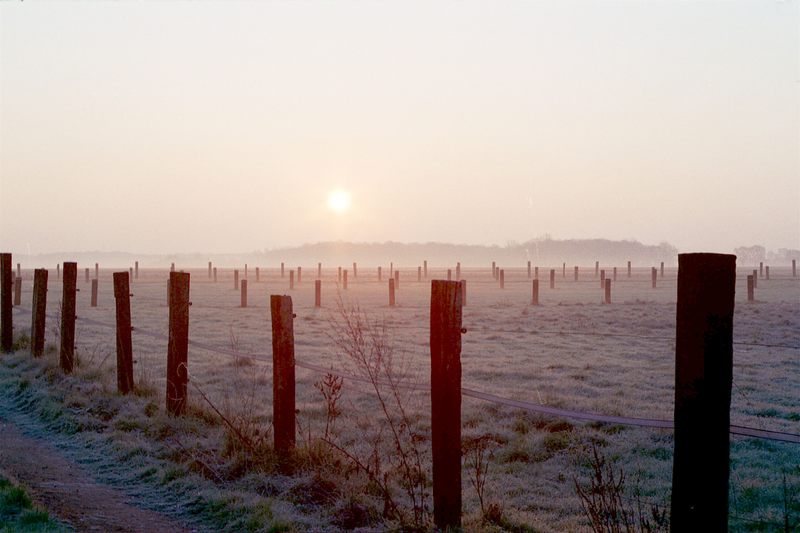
[330, 387]
[394, 456]
[607, 505]
[476, 453]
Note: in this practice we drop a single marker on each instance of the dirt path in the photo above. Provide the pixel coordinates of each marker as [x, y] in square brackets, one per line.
[67, 492]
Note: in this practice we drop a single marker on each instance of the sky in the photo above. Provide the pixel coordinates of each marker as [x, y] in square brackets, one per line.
[161, 127]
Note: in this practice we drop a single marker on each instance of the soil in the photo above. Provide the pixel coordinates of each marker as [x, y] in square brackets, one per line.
[67, 492]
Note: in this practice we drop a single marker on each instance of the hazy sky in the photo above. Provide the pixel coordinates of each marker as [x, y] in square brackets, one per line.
[224, 126]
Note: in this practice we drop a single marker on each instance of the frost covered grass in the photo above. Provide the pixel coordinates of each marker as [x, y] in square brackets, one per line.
[215, 467]
[19, 514]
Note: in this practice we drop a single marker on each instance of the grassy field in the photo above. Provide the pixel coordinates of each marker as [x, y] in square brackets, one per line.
[571, 352]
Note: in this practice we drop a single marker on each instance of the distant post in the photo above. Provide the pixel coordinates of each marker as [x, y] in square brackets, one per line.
[209, 270]
[607, 284]
[96, 270]
[615, 273]
[122, 297]
[136, 269]
[243, 291]
[794, 268]
[6, 326]
[653, 276]
[445, 342]
[299, 274]
[552, 278]
[94, 293]
[425, 268]
[172, 267]
[761, 269]
[258, 274]
[397, 280]
[629, 269]
[391, 268]
[563, 270]
[379, 274]
[38, 311]
[419, 274]
[662, 269]
[87, 275]
[536, 272]
[236, 279]
[449, 274]
[339, 274]
[19, 270]
[18, 291]
[355, 270]
[178, 346]
[318, 293]
[245, 271]
[282, 269]
[463, 283]
[58, 271]
[703, 377]
[535, 292]
[283, 389]
[215, 274]
[494, 270]
[529, 270]
[391, 292]
[602, 278]
[291, 280]
[344, 279]
[131, 272]
[319, 270]
[596, 268]
[576, 273]
[458, 271]
[66, 356]
[751, 293]
[502, 278]
[755, 278]
[766, 271]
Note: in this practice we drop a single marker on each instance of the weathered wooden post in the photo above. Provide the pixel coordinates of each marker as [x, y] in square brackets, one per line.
[339, 274]
[94, 293]
[38, 311]
[215, 274]
[653, 276]
[391, 268]
[494, 270]
[318, 293]
[535, 292]
[629, 269]
[6, 314]
[552, 278]
[282, 269]
[761, 269]
[607, 284]
[258, 274]
[19, 270]
[529, 270]
[449, 274]
[283, 388]
[703, 378]
[564, 270]
[131, 272]
[458, 271]
[379, 274]
[66, 356]
[615, 273]
[172, 267]
[502, 278]
[344, 279]
[397, 280]
[136, 269]
[178, 346]
[425, 268]
[536, 273]
[755, 278]
[18, 291]
[419, 274]
[245, 271]
[794, 268]
[299, 274]
[596, 268]
[291, 280]
[391, 292]
[122, 297]
[236, 279]
[209, 270]
[602, 278]
[576, 273]
[58, 271]
[319, 270]
[243, 291]
[87, 275]
[751, 293]
[766, 272]
[445, 342]
[662, 269]
[355, 270]
[96, 270]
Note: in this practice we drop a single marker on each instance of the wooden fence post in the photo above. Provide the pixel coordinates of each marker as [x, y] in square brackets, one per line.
[576, 273]
[662, 269]
[319, 270]
[629, 269]
[172, 267]
[607, 284]
[178, 346]
[18, 291]
[94, 293]
[122, 296]
[344, 279]
[794, 268]
[463, 283]
[602, 278]
[38, 311]
[761, 269]
[653, 276]
[355, 270]
[703, 378]
[596, 268]
[236, 279]
[502, 278]
[6, 325]
[215, 274]
[379, 274]
[299, 274]
[283, 384]
[535, 292]
[66, 356]
[766, 272]
[245, 271]
[136, 269]
[209, 270]
[552, 278]
[19, 270]
[131, 272]
[58, 271]
[87, 275]
[339, 274]
[458, 271]
[96, 270]
[445, 342]
[291, 280]
[563, 270]
[243, 292]
[494, 270]
[318, 293]
[751, 293]
[391, 292]
[425, 268]
[419, 274]
[258, 274]
[536, 273]
[755, 278]
[282, 269]
[529, 270]
[397, 280]
[449, 274]
[615, 273]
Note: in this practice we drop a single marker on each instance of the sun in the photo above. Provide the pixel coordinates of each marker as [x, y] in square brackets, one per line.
[339, 201]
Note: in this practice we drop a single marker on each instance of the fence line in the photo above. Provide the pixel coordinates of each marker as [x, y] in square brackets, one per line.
[472, 393]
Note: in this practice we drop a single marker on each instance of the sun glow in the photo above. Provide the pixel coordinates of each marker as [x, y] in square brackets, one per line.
[339, 201]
